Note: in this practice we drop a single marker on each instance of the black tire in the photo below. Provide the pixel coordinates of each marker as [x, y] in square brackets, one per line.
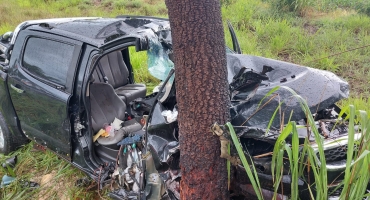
[10, 142]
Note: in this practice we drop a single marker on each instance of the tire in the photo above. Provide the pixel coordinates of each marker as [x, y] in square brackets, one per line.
[10, 142]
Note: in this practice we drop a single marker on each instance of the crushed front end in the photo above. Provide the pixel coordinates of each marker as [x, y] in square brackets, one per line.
[148, 159]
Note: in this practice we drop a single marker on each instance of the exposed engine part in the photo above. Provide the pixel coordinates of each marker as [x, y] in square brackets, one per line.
[154, 188]
[130, 170]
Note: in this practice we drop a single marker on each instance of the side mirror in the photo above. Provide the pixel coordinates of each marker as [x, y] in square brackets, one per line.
[3, 62]
[7, 36]
[4, 67]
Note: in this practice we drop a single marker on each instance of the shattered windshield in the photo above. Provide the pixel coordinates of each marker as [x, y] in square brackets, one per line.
[159, 63]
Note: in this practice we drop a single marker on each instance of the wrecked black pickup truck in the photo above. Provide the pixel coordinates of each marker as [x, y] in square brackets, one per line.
[68, 84]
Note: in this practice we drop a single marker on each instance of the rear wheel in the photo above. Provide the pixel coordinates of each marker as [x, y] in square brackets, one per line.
[8, 141]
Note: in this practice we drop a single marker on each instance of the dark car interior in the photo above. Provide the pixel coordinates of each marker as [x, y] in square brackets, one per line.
[111, 91]
[113, 70]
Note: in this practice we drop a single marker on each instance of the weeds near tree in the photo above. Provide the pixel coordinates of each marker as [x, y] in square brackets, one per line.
[308, 157]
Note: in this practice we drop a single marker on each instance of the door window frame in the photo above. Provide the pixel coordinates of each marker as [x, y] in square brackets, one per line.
[72, 68]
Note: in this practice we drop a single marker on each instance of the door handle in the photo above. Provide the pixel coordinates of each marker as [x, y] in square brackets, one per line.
[16, 88]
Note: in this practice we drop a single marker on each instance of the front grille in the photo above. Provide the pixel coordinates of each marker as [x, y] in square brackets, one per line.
[337, 154]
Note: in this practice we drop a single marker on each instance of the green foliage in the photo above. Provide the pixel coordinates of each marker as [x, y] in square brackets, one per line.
[300, 7]
[362, 6]
[319, 164]
[357, 174]
[252, 173]
[240, 12]
[359, 103]
[121, 4]
[32, 165]
[311, 156]
[297, 6]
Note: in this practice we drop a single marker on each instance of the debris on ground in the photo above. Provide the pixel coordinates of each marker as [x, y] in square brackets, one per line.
[6, 180]
[10, 162]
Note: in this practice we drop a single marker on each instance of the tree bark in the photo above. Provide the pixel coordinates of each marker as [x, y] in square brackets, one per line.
[202, 95]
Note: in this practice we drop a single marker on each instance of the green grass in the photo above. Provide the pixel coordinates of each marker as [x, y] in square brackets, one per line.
[306, 32]
[319, 170]
[322, 29]
[251, 171]
[302, 157]
[32, 166]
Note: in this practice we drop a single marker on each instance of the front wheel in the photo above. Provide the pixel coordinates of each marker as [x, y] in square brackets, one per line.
[8, 141]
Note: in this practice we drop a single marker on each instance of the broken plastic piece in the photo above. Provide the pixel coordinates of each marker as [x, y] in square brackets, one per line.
[129, 140]
[123, 194]
[156, 88]
[154, 187]
[96, 136]
[132, 176]
[246, 81]
[6, 180]
[171, 116]
[10, 162]
[30, 184]
[83, 182]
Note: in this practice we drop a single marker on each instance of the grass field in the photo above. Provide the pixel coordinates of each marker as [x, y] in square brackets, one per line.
[306, 35]
[326, 34]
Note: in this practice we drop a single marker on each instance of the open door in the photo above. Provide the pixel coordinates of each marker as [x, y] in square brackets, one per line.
[40, 85]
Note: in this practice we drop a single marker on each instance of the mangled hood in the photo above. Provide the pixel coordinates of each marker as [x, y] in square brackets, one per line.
[319, 88]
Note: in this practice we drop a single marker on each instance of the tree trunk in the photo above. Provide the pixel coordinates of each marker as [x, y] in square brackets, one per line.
[202, 95]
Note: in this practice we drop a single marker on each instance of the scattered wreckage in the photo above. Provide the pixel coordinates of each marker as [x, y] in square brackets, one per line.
[89, 111]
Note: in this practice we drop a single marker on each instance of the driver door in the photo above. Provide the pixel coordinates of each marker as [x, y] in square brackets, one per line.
[40, 82]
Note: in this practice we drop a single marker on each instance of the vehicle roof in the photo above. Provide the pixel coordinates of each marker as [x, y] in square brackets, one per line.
[98, 31]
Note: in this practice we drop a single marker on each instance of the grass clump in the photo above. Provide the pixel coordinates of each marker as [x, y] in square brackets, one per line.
[309, 158]
[296, 6]
[33, 165]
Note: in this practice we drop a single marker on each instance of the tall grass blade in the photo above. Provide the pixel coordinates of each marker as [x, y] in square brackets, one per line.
[278, 157]
[10, 171]
[268, 94]
[351, 135]
[357, 172]
[272, 118]
[294, 162]
[318, 166]
[253, 179]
